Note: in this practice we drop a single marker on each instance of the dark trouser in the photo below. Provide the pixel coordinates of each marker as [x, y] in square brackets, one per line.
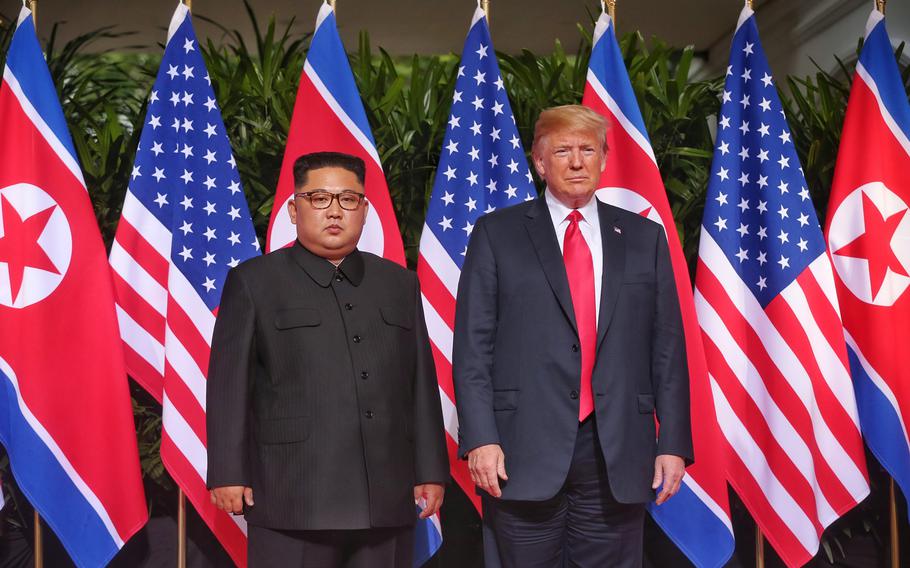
[582, 526]
[368, 548]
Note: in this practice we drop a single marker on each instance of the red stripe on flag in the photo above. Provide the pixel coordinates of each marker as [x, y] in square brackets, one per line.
[225, 530]
[436, 292]
[143, 373]
[184, 403]
[443, 372]
[142, 252]
[147, 317]
[183, 327]
[824, 313]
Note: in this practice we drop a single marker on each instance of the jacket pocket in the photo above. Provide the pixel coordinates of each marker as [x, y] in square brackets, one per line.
[297, 317]
[284, 430]
[397, 317]
[505, 399]
[646, 403]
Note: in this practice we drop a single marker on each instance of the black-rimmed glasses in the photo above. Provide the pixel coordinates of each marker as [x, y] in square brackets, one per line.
[321, 199]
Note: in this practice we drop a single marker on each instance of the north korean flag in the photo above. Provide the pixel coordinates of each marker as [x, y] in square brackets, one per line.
[65, 414]
[868, 232]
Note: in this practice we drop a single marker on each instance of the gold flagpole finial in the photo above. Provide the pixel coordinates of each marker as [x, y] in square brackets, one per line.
[611, 11]
[749, 4]
[32, 6]
[189, 4]
[332, 4]
[880, 6]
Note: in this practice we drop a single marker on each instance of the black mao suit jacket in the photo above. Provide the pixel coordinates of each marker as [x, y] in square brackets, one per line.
[517, 365]
[322, 393]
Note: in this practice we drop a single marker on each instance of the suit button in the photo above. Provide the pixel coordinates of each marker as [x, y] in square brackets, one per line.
[573, 395]
[368, 414]
[349, 306]
[364, 375]
[356, 339]
[574, 348]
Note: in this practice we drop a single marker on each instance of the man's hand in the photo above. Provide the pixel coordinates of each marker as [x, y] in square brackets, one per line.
[433, 493]
[487, 465]
[669, 471]
[231, 498]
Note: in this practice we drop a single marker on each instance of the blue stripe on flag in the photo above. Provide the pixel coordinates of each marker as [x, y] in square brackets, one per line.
[427, 540]
[36, 82]
[607, 55]
[330, 61]
[878, 59]
[880, 425]
[697, 531]
[48, 487]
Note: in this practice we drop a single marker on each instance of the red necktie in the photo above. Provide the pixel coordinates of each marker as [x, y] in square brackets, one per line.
[580, 270]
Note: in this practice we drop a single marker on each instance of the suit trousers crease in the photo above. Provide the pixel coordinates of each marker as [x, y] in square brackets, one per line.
[364, 548]
[582, 526]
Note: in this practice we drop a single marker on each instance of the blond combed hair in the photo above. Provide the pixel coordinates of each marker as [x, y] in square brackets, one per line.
[570, 118]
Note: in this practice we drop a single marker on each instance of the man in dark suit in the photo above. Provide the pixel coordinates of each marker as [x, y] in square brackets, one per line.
[324, 420]
[568, 338]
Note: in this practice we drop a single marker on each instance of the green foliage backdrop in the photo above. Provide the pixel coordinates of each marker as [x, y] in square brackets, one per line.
[407, 102]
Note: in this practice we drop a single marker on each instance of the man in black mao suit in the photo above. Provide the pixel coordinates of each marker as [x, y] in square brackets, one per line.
[324, 420]
[568, 340]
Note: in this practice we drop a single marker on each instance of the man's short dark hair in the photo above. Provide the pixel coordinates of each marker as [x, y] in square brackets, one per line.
[318, 160]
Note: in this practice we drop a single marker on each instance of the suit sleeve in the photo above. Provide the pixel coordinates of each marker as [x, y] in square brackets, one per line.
[670, 371]
[228, 387]
[431, 459]
[475, 335]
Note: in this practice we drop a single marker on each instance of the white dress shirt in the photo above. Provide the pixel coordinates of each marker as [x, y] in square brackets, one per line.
[590, 231]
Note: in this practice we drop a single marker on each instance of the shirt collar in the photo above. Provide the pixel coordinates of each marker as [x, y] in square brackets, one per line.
[559, 212]
[322, 271]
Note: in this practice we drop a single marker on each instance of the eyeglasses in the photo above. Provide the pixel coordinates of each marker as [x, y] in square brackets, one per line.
[321, 199]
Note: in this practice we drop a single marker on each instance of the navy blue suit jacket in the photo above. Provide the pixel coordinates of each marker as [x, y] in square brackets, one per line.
[516, 361]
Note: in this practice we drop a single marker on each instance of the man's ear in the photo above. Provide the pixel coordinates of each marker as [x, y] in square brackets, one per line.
[538, 165]
[366, 211]
[292, 211]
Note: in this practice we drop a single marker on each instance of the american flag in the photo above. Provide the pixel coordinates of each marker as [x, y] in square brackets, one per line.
[185, 223]
[482, 168]
[768, 310]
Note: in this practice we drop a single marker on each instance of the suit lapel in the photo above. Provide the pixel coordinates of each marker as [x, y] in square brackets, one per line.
[614, 264]
[543, 237]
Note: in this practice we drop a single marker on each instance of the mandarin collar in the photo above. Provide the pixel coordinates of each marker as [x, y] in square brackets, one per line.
[322, 271]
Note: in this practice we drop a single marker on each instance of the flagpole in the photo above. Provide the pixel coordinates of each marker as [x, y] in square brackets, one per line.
[611, 11]
[895, 530]
[39, 545]
[32, 5]
[485, 6]
[880, 6]
[759, 548]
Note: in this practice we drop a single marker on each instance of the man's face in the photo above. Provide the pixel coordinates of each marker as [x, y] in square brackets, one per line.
[331, 233]
[571, 163]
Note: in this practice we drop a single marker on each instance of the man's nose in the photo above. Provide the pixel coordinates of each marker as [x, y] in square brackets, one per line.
[335, 209]
[575, 160]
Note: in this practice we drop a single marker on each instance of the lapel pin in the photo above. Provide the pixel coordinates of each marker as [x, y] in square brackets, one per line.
[618, 230]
